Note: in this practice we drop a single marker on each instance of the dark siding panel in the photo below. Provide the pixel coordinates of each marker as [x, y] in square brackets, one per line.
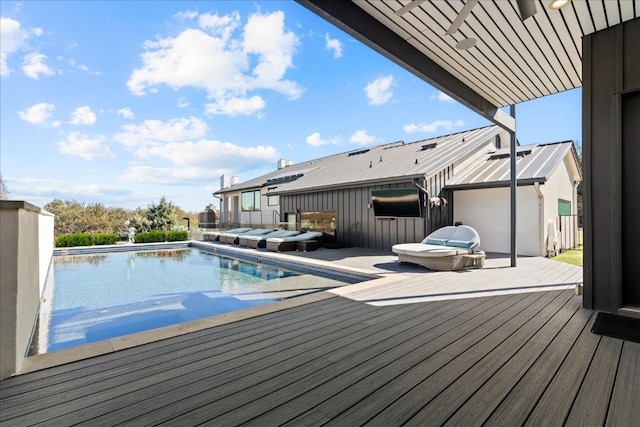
[612, 59]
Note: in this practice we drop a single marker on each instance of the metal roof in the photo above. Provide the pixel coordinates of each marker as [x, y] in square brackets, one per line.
[535, 163]
[382, 163]
[513, 60]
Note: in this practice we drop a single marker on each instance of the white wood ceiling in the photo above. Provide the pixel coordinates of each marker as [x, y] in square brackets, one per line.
[513, 61]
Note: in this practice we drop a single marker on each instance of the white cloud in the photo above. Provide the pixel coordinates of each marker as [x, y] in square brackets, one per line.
[33, 66]
[379, 91]
[38, 113]
[236, 106]
[186, 15]
[201, 161]
[83, 116]
[433, 126]
[74, 64]
[217, 25]
[211, 153]
[126, 113]
[315, 140]
[81, 145]
[156, 132]
[333, 45]
[362, 137]
[183, 102]
[45, 190]
[171, 176]
[12, 39]
[225, 67]
[443, 97]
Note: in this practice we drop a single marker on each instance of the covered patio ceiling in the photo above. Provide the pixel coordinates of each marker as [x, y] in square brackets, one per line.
[512, 61]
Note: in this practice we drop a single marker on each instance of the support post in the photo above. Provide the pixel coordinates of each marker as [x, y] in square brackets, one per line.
[512, 187]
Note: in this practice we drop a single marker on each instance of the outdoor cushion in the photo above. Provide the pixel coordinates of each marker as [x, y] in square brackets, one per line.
[434, 241]
[459, 244]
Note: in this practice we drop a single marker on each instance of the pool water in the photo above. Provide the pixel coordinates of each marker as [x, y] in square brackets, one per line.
[94, 297]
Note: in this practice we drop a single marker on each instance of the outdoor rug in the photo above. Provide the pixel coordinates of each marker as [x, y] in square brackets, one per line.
[621, 327]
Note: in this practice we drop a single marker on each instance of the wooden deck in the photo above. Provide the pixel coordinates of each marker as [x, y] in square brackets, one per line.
[512, 359]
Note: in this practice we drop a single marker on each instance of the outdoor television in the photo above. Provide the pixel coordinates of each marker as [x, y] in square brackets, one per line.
[397, 202]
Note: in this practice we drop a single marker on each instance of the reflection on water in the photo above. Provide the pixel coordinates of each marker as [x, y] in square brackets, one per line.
[98, 296]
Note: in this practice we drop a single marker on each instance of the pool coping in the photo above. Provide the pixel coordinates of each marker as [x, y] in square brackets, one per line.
[313, 266]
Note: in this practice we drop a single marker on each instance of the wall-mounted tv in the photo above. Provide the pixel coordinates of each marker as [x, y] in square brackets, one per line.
[397, 202]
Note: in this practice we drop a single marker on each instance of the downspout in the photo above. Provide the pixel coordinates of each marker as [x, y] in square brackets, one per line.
[421, 188]
[543, 246]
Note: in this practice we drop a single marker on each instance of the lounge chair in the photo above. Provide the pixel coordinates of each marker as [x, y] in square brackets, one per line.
[279, 244]
[215, 235]
[232, 238]
[448, 248]
[256, 242]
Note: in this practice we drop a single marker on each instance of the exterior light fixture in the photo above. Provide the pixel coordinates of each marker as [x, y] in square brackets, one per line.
[557, 4]
[466, 44]
[527, 8]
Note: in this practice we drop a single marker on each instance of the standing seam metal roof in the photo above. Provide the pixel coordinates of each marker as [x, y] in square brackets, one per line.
[536, 166]
[377, 163]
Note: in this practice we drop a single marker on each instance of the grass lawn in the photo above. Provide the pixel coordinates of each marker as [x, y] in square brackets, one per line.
[573, 256]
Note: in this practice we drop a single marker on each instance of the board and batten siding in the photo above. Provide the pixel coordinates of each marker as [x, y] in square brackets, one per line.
[356, 222]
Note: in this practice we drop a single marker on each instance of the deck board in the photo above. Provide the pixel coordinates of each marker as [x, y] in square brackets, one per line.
[511, 359]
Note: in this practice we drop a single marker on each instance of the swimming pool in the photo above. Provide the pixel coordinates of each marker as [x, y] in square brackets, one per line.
[96, 296]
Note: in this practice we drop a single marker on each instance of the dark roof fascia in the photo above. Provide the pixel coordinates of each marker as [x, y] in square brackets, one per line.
[494, 184]
[382, 181]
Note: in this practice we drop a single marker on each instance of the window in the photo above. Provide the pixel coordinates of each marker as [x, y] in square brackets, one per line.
[273, 200]
[564, 207]
[251, 200]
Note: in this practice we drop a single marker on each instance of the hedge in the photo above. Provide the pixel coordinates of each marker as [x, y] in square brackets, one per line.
[177, 235]
[105, 239]
[151, 236]
[75, 239]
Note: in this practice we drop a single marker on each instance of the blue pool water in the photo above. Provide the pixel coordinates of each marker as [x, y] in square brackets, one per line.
[94, 297]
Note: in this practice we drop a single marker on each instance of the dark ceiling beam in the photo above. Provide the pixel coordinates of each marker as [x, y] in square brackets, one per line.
[356, 22]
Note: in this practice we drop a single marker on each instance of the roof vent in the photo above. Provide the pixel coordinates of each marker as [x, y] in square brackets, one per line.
[355, 153]
[282, 179]
[429, 146]
[504, 153]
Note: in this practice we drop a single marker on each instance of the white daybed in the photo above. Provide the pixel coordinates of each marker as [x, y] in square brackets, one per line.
[448, 248]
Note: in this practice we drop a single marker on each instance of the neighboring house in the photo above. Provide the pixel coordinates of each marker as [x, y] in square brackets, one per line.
[333, 194]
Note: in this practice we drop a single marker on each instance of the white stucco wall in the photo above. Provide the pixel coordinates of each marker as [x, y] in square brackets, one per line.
[21, 280]
[45, 245]
[488, 211]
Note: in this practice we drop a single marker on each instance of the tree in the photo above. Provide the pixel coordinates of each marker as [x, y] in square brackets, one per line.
[4, 193]
[162, 216]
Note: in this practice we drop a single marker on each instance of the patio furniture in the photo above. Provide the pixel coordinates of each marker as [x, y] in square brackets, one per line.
[215, 235]
[280, 244]
[256, 242]
[448, 248]
[307, 245]
[233, 238]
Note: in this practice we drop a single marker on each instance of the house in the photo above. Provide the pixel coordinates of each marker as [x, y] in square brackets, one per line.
[340, 195]
[548, 177]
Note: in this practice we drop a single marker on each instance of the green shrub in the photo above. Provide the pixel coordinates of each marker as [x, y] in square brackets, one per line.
[177, 235]
[62, 241]
[105, 239]
[75, 239]
[151, 236]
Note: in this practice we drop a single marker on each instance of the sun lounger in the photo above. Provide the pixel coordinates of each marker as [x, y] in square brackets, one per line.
[256, 242]
[280, 244]
[232, 238]
[215, 235]
[448, 248]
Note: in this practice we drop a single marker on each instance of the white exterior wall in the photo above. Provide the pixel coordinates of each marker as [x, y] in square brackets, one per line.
[24, 250]
[559, 185]
[488, 211]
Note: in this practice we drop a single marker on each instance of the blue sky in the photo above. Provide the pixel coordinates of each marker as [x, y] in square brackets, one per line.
[121, 103]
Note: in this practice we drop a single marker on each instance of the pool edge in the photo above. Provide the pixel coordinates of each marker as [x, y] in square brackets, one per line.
[87, 351]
